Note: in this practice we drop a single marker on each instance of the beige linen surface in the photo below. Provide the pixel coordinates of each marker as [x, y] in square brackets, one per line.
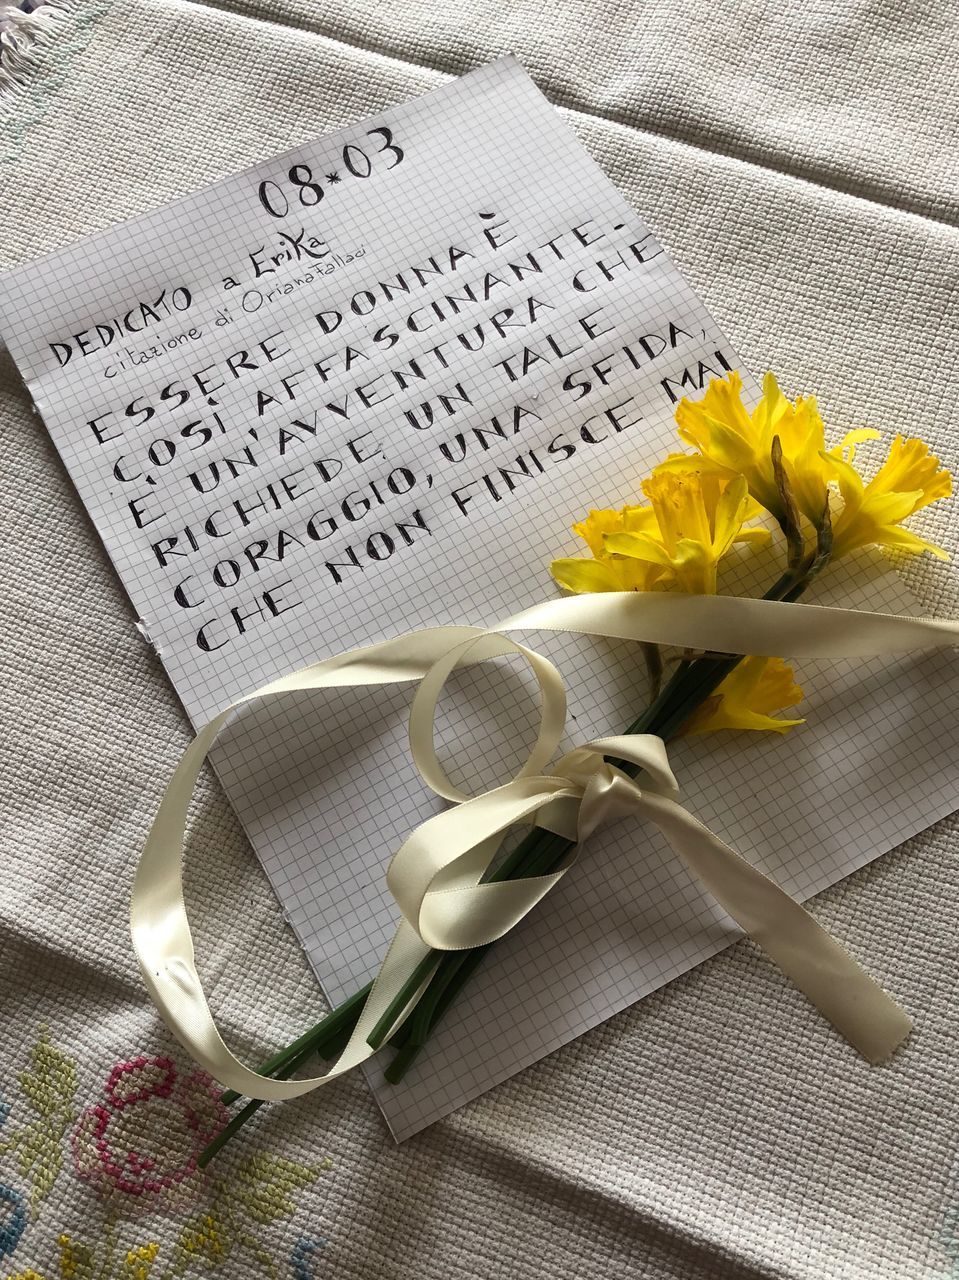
[801, 164]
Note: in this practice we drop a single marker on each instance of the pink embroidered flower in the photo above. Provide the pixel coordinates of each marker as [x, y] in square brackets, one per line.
[144, 1141]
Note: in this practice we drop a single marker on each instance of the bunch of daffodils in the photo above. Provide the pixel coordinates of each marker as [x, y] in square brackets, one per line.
[772, 462]
[750, 472]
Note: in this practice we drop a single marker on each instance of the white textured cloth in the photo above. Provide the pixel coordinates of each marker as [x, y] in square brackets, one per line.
[801, 164]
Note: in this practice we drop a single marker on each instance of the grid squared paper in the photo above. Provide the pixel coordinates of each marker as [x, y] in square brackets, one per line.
[864, 773]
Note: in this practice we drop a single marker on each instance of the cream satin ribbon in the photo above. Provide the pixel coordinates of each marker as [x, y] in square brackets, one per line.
[436, 875]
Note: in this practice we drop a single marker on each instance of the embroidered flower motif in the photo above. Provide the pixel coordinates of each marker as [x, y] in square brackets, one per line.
[145, 1140]
[47, 1086]
[205, 1238]
[138, 1262]
[77, 1260]
[139, 1148]
[13, 1219]
[304, 1257]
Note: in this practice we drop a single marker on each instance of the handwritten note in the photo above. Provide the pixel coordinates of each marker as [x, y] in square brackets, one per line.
[366, 386]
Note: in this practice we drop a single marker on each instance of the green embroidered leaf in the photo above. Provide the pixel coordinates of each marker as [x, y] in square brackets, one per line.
[52, 1084]
[266, 1184]
[40, 1158]
[37, 1094]
[49, 1087]
[29, 1144]
[46, 1167]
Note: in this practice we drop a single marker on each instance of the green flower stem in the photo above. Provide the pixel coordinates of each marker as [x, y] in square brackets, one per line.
[456, 966]
[381, 1029]
[328, 1039]
[340, 1020]
[537, 854]
[409, 1049]
[653, 657]
[252, 1107]
[329, 1049]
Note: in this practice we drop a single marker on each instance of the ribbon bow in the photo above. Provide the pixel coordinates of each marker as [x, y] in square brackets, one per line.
[437, 875]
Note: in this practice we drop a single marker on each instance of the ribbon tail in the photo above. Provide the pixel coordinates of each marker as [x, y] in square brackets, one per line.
[859, 1009]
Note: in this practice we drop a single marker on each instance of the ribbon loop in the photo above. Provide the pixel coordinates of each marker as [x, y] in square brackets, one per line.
[482, 645]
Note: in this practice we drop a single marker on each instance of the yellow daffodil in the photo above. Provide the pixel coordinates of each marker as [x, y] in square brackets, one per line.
[729, 437]
[699, 515]
[745, 699]
[909, 479]
[606, 572]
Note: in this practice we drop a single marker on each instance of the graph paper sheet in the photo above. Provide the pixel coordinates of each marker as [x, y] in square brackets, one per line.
[366, 387]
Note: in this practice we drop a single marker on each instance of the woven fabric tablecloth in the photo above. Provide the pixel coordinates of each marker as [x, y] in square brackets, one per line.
[801, 163]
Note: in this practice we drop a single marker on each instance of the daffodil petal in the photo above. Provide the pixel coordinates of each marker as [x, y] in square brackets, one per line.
[850, 482]
[754, 537]
[752, 690]
[596, 524]
[638, 546]
[581, 575]
[847, 446]
[905, 540]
